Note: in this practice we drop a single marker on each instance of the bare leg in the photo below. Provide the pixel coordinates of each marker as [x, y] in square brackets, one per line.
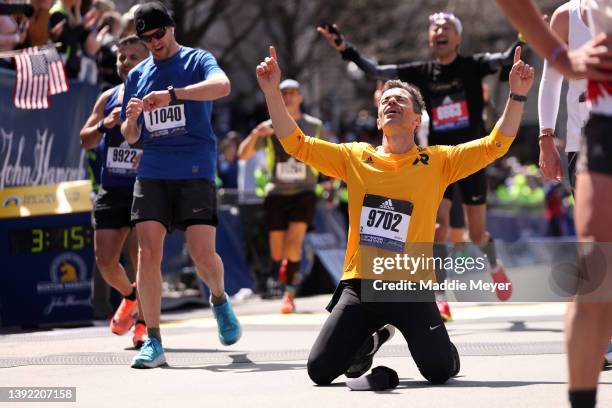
[588, 324]
[151, 246]
[108, 243]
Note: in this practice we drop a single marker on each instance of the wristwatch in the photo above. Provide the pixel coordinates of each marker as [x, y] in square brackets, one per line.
[518, 98]
[101, 127]
[172, 93]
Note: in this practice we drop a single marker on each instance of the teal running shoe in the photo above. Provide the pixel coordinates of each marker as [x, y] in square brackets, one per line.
[151, 355]
[228, 325]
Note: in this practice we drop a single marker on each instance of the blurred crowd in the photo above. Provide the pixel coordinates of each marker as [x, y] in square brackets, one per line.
[85, 33]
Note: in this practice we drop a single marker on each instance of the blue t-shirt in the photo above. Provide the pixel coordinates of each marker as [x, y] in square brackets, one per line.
[117, 157]
[178, 140]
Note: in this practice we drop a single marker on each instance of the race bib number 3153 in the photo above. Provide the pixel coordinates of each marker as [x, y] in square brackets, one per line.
[384, 222]
[167, 120]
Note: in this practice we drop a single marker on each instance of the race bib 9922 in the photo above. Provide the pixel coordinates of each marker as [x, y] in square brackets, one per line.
[123, 160]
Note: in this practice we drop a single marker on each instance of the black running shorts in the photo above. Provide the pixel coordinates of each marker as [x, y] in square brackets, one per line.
[473, 189]
[283, 209]
[112, 208]
[596, 146]
[175, 203]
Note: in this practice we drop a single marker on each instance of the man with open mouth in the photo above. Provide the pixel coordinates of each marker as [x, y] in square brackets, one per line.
[452, 87]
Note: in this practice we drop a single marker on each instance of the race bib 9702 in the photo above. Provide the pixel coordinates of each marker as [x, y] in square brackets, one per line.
[290, 171]
[384, 222]
[166, 121]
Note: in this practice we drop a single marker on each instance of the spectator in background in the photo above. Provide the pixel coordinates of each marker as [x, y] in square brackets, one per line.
[38, 31]
[127, 19]
[364, 128]
[109, 27]
[76, 33]
[103, 6]
[228, 160]
[13, 31]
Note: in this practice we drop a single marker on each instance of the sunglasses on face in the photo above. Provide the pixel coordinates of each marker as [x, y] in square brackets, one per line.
[158, 35]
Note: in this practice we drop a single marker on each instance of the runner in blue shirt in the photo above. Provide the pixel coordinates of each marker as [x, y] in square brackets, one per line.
[111, 215]
[167, 107]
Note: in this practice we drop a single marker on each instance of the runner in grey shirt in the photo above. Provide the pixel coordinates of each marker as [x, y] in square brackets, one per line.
[290, 201]
[286, 175]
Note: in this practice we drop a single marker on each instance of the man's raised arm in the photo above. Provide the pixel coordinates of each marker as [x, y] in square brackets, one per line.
[467, 158]
[350, 53]
[329, 158]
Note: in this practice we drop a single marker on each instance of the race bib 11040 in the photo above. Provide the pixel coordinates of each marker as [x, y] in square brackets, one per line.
[166, 121]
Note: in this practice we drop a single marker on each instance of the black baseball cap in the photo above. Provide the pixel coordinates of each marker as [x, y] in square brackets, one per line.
[150, 16]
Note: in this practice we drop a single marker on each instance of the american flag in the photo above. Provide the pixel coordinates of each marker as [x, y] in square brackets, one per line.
[57, 74]
[32, 81]
[40, 72]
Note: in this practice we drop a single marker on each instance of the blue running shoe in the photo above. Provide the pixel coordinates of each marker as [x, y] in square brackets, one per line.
[228, 325]
[151, 355]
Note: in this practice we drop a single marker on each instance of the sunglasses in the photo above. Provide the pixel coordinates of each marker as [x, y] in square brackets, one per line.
[158, 35]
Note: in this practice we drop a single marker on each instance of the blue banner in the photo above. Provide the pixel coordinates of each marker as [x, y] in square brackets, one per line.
[42, 146]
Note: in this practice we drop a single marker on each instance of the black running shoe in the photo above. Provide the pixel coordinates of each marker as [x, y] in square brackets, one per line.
[365, 356]
[456, 361]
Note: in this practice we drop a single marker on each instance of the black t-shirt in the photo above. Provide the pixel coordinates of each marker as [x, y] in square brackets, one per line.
[453, 96]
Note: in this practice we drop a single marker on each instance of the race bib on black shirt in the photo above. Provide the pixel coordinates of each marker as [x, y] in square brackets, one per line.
[450, 112]
[291, 171]
[384, 222]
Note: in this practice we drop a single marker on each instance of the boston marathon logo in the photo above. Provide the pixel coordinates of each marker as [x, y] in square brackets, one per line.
[27, 165]
[68, 272]
[11, 201]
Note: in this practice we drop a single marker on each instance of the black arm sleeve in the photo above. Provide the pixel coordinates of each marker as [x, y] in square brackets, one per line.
[499, 61]
[368, 66]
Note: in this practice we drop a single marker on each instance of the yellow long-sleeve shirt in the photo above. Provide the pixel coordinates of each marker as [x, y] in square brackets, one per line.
[392, 197]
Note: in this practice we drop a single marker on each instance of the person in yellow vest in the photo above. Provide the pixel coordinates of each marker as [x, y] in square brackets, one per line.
[290, 192]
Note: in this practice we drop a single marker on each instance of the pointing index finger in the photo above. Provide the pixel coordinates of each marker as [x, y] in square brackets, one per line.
[517, 54]
[273, 52]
